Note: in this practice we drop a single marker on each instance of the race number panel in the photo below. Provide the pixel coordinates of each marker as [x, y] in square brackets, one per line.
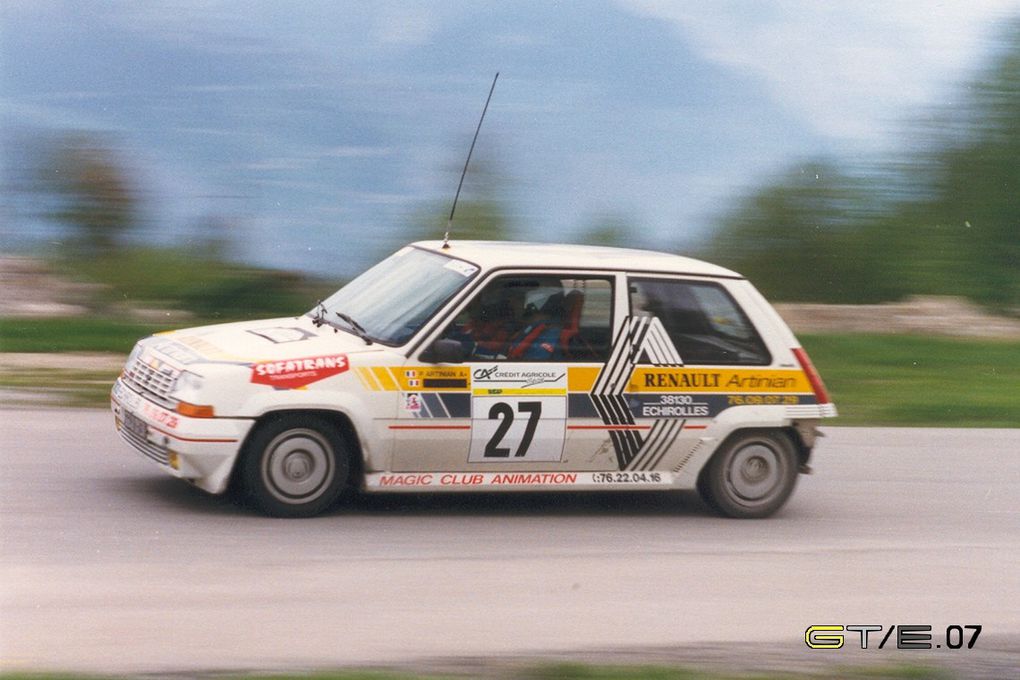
[517, 429]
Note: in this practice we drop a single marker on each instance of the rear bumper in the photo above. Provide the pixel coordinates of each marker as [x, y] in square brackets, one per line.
[812, 411]
[201, 450]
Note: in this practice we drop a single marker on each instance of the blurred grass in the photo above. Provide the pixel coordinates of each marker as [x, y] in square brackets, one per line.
[73, 334]
[195, 281]
[56, 387]
[917, 380]
[179, 287]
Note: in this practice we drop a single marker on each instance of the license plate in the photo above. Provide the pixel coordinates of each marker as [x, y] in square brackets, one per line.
[135, 425]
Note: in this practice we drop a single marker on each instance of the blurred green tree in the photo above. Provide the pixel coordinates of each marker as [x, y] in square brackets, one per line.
[978, 182]
[481, 211]
[483, 219]
[96, 198]
[799, 239]
[609, 230]
[945, 220]
[83, 184]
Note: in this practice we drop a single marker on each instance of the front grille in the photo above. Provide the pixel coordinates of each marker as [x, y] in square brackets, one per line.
[152, 376]
[154, 451]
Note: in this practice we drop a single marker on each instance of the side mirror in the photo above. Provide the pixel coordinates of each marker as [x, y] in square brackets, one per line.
[444, 351]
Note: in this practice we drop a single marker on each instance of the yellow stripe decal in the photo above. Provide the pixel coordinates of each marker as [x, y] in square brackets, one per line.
[382, 374]
[730, 381]
[521, 391]
[365, 376]
[582, 378]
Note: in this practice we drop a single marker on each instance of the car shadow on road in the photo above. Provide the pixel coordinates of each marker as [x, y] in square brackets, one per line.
[537, 503]
[164, 492]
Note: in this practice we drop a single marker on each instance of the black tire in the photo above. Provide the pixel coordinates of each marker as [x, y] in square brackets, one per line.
[751, 475]
[295, 466]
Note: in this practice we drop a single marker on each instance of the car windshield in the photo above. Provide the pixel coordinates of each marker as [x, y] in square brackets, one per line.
[393, 300]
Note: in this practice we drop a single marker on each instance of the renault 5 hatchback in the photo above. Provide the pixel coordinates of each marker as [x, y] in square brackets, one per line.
[488, 366]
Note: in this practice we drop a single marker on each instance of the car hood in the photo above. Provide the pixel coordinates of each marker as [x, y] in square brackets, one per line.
[256, 341]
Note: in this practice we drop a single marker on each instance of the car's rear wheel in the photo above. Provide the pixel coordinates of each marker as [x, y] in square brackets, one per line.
[295, 466]
[751, 475]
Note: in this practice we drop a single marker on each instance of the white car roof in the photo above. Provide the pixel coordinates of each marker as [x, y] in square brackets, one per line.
[498, 254]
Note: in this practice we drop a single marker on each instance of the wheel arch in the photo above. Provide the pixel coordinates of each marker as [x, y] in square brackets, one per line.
[338, 419]
[801, 445]
[721, 492]
[789, 431]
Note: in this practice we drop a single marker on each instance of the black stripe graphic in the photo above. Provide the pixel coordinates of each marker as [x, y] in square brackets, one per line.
[457, 404]
[637, 336]
[669, 437]
[651, 446]
[431, 402]
[426, 412]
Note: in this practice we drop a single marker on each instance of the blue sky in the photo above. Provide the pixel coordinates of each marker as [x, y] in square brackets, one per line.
[318, 129]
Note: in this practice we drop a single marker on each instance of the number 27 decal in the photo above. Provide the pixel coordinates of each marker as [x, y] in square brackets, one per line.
[517, 429]
[505, 413]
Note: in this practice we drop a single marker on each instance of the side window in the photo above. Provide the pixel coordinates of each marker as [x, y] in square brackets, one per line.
[702, 320]
[541, 317]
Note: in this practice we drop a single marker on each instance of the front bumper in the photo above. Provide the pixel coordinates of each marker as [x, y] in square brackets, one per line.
[201, 450]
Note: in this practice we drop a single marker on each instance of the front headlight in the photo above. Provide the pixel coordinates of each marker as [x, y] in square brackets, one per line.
[188, 386]
[187, 392]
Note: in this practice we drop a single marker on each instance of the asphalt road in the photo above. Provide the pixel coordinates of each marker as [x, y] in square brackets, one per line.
[108, 565]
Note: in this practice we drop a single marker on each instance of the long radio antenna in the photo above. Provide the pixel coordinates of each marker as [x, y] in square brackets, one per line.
[449, 222]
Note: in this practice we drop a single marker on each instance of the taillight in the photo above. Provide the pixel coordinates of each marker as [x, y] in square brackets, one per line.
[821, 394]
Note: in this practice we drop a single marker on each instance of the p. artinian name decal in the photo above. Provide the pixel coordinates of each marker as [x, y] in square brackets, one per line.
[292, 373]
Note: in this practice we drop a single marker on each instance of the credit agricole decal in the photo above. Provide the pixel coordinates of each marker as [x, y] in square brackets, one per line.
[293, 373]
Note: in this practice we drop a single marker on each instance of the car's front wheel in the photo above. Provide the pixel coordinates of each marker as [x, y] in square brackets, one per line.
[751, 475]
[295, 466]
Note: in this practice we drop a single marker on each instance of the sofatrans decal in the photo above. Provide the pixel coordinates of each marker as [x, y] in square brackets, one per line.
[294, 373]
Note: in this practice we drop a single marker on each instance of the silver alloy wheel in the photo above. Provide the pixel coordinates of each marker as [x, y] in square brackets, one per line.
[755, 473]
[298, 466]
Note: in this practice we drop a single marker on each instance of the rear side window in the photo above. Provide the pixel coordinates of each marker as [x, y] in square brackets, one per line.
[704, 322]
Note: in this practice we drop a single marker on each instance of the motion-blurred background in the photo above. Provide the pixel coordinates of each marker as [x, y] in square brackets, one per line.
[167, 163]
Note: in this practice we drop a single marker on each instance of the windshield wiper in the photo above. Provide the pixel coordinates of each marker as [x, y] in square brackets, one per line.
[358, 329]
[319, 316]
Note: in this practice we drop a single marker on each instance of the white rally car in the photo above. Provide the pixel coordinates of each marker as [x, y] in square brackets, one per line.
[489, 367]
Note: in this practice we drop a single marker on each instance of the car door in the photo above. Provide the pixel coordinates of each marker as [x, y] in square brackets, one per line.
[533, 344]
